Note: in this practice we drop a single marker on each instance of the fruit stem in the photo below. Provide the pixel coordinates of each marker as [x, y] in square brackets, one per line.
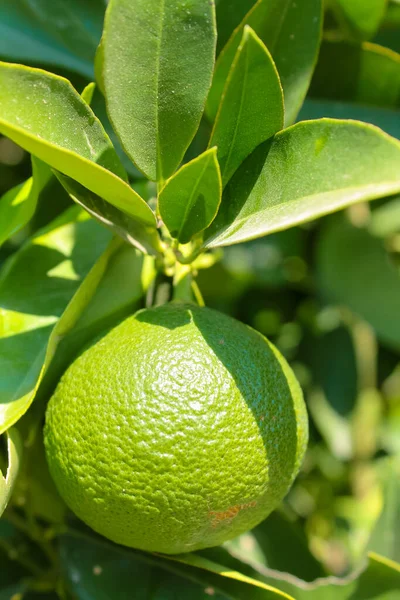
[182, 283]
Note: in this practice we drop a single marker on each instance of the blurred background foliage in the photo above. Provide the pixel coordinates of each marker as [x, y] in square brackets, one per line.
[327, 294]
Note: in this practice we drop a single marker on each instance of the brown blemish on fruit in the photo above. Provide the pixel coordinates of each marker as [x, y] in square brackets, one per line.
[227, 516]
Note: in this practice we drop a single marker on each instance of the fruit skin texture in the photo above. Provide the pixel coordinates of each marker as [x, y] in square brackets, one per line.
[178, 430]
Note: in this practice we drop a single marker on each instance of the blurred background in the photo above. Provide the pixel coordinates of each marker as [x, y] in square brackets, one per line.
[327, 293]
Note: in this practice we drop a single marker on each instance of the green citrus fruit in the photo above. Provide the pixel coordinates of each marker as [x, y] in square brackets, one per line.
[178, 430]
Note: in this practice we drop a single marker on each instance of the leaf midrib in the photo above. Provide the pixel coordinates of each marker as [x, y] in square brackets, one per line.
[157, 116]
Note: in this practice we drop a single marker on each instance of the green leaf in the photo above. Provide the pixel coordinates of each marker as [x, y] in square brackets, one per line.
[291, 31]
[304, 172]
[8, 479]
[97, 571]
[45, 115]
[190, 199]
[280, 544]
[62, 33]
[385, 219]
[18, 205]
[380, 580]
[385, 538]
[362, 285]
[230, 14]
[360, 18]
[251, 109]
[364, 73]
[36, 285]
[385, 118]
[139, 235]
[158, 63]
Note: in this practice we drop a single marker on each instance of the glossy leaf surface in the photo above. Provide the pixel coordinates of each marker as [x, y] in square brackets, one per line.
[18, 205]
[8, 479]
[36, 285]
[251, 109]
[157, 68]
[304, 172]
[190, 199]
[45, 115]
[291, 32]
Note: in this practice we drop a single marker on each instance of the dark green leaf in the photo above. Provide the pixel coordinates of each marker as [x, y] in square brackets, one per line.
[100, 572]
[291, 32]
[57, 33]
[385, 118]
[251, 109]
[354, 269]
[8, 479]
[46, 116]
[360, 18]
[36, 285]
[363, 73]
[18, 205]
[190, 199]
[158, 62]
[304, 172]
[230, 14]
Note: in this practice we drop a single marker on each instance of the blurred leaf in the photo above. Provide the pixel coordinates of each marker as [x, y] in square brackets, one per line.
[190, 199]
[279, 544]
[36, 285]
[230, 14]
[291, 32]
[100, 572]
[364, 73]
[361, 18]
[385, 219]
[251, 109]
[45, 115]
[334, 427]
[18, 205]
[385, 539]
[385, 118]
[379, 581]
[58, 33]
[354, 269]
[8, 479]
[158, 62]
[304, 172]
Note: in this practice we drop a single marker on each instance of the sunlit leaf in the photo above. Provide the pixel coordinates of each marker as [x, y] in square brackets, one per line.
[8, 479]
[190, 199]
[304, 172]
[291, 32]
[251, 109]
[157, 69]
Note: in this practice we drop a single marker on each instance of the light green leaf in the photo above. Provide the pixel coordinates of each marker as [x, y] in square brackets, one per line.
[8, 479]
[385, 118]
[88, 92]
[309, 170]
[36, 285]
[385, 219]
[354, 269]
[251, 109]
[385, 538]
[18, 205]
[158, 63]
[190, 199]
[230, 14]
[364, 73]
[45, 115]
[291, 31]
[360, 18]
